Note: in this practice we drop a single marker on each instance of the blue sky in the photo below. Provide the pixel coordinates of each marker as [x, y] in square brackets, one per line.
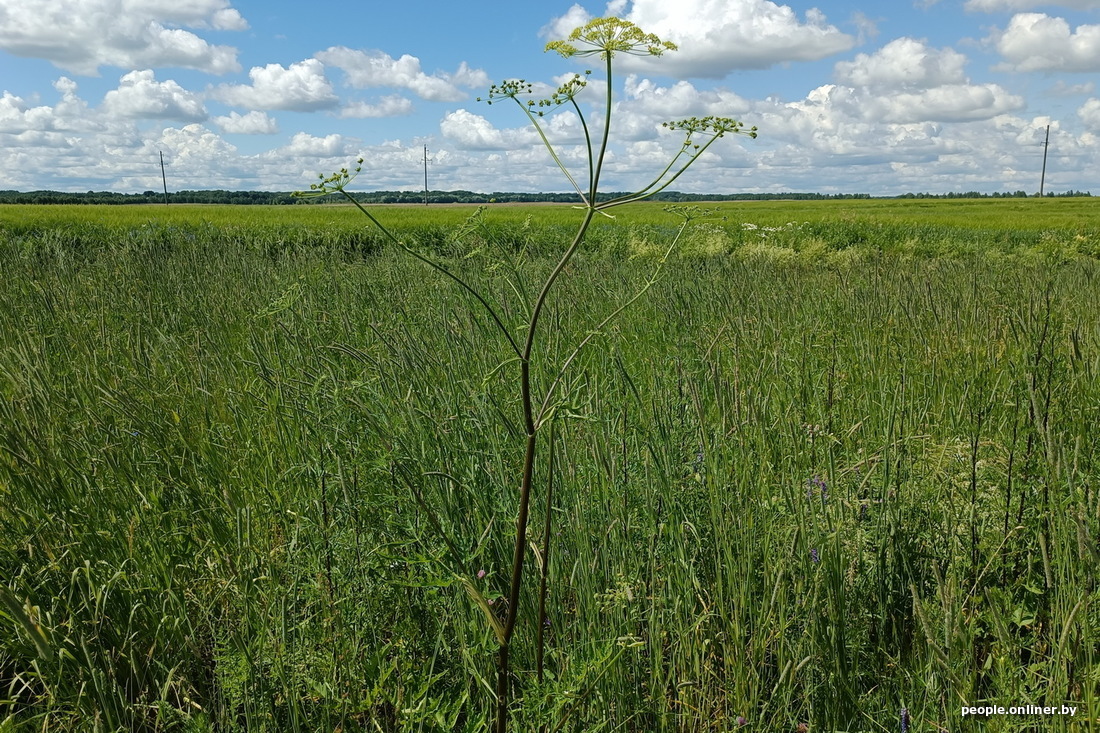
[848, 96]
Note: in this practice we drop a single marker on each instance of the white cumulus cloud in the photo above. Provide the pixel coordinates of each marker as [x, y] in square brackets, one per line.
[906, 82]
[392, 105]
[15, 114]
[1039, 42]
[645, 105]
[948, 103]
[470, 131]
[376, 69]
[563, 25]
[70, 114]
[302, 87]
[682, 99]
[304, 145]
[1090, 114]
[994, 6]
[217, 14]
[468, 78]
[253, 123]
[905, 63]
[716, 37]
[82, 35]
[228, 19]
[140, 96]
[190, 144]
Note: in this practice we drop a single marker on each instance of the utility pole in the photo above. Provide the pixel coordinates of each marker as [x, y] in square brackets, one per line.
[1043, 178]
[163, 178]
[425, 175]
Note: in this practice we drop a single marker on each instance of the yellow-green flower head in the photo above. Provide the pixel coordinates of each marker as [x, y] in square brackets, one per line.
[508, 88]
[710, 124]
[607, 36]
[689, 213]
[565, 93]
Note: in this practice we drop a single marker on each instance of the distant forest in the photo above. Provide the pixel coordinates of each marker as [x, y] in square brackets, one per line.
[448, 197]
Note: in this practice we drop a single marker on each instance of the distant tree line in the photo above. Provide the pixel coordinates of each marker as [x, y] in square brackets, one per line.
[995, 195]
[148, 197]
[271, 198]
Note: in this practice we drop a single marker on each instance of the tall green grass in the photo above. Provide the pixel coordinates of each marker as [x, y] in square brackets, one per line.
[817, 476]
[921, 228]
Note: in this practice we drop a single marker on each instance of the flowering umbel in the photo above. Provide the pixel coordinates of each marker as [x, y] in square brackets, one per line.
[717, 126]
[338, 181]
[513, 89]
[606, 37]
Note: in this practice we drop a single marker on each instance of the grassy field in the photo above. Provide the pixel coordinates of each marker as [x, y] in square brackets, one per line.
[942, 228]
[842, 460]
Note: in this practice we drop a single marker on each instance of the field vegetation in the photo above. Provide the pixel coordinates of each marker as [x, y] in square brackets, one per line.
[841, 461]
[862, 228]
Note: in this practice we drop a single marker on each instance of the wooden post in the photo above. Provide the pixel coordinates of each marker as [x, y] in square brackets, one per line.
[1043, 178]
[163, 178]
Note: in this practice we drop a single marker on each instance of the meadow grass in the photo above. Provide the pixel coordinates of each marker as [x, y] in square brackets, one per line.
[833, 466]
[927, 226]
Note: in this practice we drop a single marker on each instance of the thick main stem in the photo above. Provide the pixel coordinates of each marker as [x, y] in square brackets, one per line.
[503, 672]
[544, 571]
[520, 547]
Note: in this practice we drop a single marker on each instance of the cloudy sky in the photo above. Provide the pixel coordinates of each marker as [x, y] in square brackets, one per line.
[848, 95]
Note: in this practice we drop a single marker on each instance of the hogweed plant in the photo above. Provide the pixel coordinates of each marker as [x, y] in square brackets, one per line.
[603, 39]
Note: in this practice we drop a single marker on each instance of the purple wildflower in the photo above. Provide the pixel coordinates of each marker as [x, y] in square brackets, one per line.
[741, 722]
[480, 574]
[905, 720]
[816, 485]
[814, 557]
[697, 464]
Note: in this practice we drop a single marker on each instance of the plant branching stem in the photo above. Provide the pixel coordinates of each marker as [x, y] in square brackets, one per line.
[529, 344]
[587, 144]
[440, 268]
[606, 132]
[620, 200]
[649, 190]
[553, 153]
[653, 278]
